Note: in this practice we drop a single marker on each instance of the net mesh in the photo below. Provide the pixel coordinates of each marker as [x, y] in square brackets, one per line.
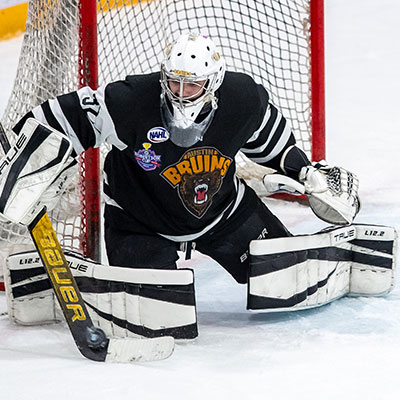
[267, 39]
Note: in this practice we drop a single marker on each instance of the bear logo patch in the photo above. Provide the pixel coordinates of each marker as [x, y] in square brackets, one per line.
[198, 177]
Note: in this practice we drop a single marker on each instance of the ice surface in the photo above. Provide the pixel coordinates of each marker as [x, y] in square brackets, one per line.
[10, 3]
[346, 350]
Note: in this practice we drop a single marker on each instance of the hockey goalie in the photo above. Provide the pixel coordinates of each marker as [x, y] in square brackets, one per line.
[170, 183]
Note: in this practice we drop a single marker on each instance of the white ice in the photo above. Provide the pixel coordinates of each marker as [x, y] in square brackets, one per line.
[346, 350]
[10, 3]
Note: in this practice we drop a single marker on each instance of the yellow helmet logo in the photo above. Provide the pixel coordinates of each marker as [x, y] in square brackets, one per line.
[180, 72]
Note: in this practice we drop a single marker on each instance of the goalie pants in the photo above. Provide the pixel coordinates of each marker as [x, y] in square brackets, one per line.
[227, 244]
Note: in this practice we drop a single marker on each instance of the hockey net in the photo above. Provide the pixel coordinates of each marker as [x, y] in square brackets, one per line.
[270, 40]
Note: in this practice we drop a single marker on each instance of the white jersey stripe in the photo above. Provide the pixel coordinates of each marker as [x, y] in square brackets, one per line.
[62, 120]
[39, 114]
[240, 189]
[193, 236]
[101, 121]
[256, 134]
[105, 178]
[111, 202]
[278, 147]
[261, 148]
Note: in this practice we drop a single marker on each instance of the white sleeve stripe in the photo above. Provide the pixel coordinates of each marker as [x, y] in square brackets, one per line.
[282, 162]
[261, 148]
[240, 188]
[62, 120]
[103, 124]
[105, 178]
[263, 123]
[39, 114]
[278, 147]
[111, 202]
[107, 199]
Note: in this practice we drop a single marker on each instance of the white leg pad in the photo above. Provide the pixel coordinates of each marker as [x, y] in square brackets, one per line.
[308, 271]
[39, 306]
[124, 302]
[373, 280]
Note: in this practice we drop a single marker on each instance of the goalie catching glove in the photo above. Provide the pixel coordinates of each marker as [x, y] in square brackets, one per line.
[332, 191]
[34, 172]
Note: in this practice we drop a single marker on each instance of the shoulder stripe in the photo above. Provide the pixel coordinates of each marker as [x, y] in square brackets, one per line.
[102, 122]
[65, 125]
[49, 116]
[39, 115]
[77, 118]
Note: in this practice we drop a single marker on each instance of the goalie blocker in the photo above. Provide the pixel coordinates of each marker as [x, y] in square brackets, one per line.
[34, 172]
[300, 272]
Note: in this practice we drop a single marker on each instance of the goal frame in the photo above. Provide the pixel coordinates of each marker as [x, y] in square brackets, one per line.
[88, 75]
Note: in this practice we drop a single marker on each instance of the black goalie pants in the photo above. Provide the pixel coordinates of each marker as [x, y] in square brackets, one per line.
[227, 244]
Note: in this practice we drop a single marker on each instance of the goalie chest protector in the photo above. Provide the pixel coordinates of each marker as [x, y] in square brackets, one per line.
[161, 187]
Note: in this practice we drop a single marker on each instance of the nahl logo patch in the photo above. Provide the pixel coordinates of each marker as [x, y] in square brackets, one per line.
[198, 177]
[147, 158]
[158, 135]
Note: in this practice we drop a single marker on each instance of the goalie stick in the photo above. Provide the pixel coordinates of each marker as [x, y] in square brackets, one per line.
[90, 340]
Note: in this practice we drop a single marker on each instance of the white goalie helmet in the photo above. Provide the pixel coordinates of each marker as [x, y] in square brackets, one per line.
[191, 59]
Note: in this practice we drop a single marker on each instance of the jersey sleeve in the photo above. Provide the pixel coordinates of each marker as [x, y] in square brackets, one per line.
[271, 141]
[81, 115]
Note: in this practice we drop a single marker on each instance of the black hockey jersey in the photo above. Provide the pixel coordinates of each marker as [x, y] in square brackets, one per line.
[153, 185]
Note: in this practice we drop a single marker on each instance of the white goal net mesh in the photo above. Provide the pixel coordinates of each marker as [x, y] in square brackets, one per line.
[266, 39]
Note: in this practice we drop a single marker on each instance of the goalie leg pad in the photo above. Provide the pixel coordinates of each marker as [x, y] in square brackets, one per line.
[123, 302]
[309, 271]
[374, 260]
[30, 298]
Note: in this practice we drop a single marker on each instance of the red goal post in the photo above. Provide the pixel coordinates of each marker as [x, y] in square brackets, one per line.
[72, 43]
[317, 62]
[89, 174]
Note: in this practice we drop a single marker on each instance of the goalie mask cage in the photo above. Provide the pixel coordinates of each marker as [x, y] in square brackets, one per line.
[71, 43]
